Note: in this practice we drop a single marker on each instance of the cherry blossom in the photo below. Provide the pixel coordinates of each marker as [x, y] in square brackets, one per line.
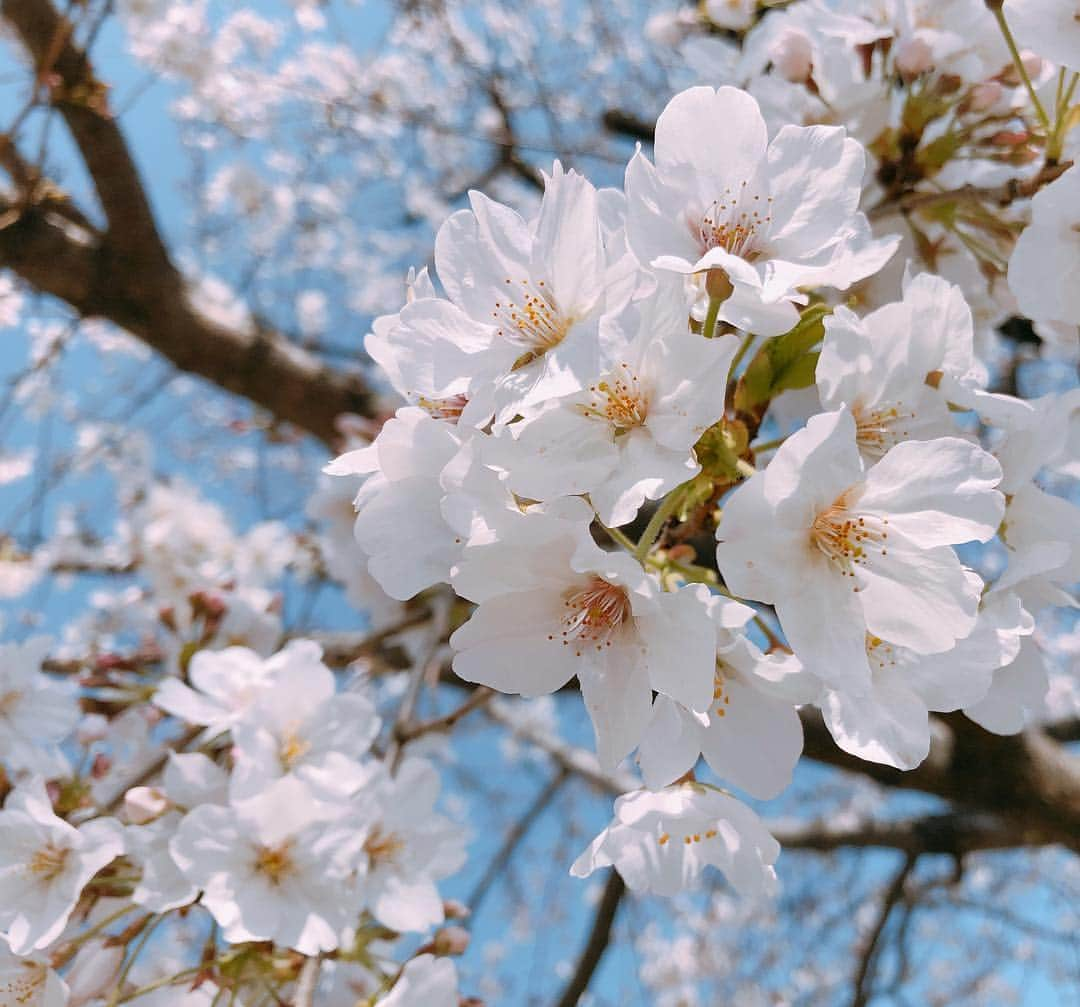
[45, 863]
[773, 216]
[661, 842]
[847, 550]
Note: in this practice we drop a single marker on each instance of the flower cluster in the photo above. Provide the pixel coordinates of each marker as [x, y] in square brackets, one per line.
[595, 394]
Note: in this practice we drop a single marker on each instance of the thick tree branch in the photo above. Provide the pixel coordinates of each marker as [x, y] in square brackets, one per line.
[125, 274]
[1026, 778]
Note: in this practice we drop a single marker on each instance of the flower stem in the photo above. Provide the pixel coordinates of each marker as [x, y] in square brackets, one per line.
[767, 445]
[999, 16]
[710, 317]
[1061, 117]
[741, 352]
[656, 523]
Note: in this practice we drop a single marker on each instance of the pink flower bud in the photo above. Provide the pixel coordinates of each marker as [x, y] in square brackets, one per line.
[914, 56]
[985, 96]
[792, 56]
[1032, 64]
[144, 804]
[450, 941]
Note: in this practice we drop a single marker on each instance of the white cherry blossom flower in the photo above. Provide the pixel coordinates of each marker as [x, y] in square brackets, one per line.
[750, 736]
[37, 712]
[401, 517]
[1041, 533]
[44, 865]
[273, 867]
[890, 724]
[630, 436]
[572, 609]
[189, 781]
[775, 216]
[1046, 260]
[878, 366]
[409, 846]
[225, 683]
[1017, 696]
[661, 842]
[304, 727]
[425, 980]
[525, 301]
[28, 981]
[843, 550]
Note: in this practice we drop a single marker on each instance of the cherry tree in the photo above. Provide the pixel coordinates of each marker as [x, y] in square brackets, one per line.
[454, 451]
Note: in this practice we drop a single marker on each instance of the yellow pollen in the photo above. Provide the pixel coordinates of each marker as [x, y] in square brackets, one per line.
[848, 540]
[293, 748]
[24, 988]
[48, 862]
[663, 839]
[619, 400]
[725, 224]
[878, 430]
[449, 409]
[529, 319]
[595, 612]
[383, 847]
[274, 862]
[8, 702]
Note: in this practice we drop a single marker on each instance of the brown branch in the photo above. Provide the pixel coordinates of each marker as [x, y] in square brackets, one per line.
[599, 937]
[892, 896]
[617, 120]
[126, 275]
[257, 363]
[954, 834]
[513, 839]
[997, 195]
[1027, 778]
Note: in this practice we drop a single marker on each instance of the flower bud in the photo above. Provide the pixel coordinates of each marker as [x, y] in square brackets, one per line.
[914, 56]
[450, 941]
[718, 285]
[985, 96]
[792, 56]
[454, 910]
[144, 804]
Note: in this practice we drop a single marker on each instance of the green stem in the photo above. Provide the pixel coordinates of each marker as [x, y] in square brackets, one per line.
[164, 981]
[656, 523]
[741, 352]
[625, 541]
[1018, 62]
[767, 445]
[1061, 117]
[710, 317]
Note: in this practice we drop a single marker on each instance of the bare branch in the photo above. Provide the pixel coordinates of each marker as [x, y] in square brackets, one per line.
[125, 275]
[892, 896]
[599, 937]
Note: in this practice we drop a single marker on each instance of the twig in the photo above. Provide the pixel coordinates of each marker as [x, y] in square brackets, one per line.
[597, 944]
[892, 896]
[514, 838]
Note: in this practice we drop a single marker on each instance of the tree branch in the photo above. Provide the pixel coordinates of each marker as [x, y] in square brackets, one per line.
[597, 944]
[892, 896]
[125, 274]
